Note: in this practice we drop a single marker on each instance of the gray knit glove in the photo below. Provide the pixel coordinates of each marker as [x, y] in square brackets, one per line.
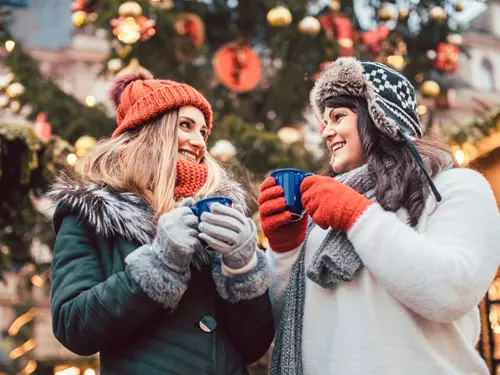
[228, 231]
[177, 238]
[162, 268]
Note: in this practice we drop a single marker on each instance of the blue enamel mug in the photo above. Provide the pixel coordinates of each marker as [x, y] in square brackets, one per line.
[204, 204]
[290, 179]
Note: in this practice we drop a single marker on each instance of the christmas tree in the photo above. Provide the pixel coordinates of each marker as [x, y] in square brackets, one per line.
[255, 61]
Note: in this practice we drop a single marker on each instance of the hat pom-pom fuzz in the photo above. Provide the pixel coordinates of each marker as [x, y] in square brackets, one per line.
[122, 82]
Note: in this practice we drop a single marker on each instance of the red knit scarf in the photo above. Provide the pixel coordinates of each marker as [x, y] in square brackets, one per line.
[190, 178]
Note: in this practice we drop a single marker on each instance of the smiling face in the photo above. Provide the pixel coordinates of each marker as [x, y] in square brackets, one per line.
[342, 138]
[191, 134]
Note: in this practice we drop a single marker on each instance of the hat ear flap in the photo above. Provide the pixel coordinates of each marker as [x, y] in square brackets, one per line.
[122, 82]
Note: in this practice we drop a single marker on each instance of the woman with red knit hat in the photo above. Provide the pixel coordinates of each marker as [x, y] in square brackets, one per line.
[132, 277]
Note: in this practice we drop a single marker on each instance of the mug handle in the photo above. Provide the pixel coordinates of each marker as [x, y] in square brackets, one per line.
[195, 210]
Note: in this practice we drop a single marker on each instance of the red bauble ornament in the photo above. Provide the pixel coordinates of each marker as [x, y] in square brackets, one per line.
[192, 25]
[237, 66]
[338, 27]
[43, 129]
[372, 38]
[88, 6]
[447, 57]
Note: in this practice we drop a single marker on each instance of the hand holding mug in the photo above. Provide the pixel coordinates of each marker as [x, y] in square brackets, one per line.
[228, 231]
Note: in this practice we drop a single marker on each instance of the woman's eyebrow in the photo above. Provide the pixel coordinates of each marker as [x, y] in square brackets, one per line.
[188, 118]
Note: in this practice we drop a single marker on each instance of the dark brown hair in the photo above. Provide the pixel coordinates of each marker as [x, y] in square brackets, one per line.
[399, 181]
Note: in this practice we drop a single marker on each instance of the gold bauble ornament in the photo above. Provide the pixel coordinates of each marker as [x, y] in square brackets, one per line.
[114, 65]
[84, 144]
[334, 5]
[163, 4]
[345, 42]
[396, 62]
[93, 17]
[130, 9]
[310, 26]
[132, 67]
[124, 51]
[223, 150]
[384, 14]
[403, 14]
[5, 80]
[15, 89]
[460, 6]
[279, 16]
[288, 135]
[15, 106]
[455, 39]
[438, 14]
[129, 31]
[80, 18]
[430, 89]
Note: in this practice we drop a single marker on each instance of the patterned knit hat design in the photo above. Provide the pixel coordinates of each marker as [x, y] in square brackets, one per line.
[390, 96]
[138, 98]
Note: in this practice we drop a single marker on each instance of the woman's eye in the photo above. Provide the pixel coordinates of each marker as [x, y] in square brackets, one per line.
[185, 124]
[203, 133]
[338, 116]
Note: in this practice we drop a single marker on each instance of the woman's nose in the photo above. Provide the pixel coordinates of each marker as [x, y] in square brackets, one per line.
[198, 141]
[328, 132]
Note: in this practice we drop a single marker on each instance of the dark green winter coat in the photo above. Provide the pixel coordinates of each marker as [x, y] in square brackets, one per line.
[98, 306]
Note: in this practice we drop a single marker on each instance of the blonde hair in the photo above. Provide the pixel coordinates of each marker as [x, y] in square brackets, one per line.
[143, 162]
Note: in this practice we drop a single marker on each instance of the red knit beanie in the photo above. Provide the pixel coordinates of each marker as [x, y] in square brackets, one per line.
[139, 98]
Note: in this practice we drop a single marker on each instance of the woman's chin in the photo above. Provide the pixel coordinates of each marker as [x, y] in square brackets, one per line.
[336, 165]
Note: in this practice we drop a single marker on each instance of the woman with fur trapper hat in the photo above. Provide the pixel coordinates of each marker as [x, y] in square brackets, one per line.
[130, 276]
[384, 273]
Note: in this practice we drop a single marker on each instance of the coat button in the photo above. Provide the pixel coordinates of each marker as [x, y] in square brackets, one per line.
[207, 324]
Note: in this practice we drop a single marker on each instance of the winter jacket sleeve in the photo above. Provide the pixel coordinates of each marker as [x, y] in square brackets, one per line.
[245, 308]
[280, 265]
[89, 312]
[443, 270]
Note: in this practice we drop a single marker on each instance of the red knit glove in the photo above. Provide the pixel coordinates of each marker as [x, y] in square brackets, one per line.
[282, 234]
[331, 203]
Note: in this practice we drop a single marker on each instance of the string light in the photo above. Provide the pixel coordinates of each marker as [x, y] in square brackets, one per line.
[90, 101]
[459, 156]
[10, 45]
[71, 159]
[23, 349]
[30, 368]
[422, 109]
[37, 281]
[21, 321]
[68, 371]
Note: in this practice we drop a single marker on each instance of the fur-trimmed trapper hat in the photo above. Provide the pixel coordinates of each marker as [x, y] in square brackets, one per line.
[390, 96]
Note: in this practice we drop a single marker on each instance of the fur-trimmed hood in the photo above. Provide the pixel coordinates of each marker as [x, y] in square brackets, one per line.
[111, 213]
[390, 96]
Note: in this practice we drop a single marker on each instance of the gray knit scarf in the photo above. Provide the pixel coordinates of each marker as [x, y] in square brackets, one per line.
[335, 261]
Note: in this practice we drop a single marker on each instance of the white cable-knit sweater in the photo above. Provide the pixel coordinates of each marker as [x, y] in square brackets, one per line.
[412, 309]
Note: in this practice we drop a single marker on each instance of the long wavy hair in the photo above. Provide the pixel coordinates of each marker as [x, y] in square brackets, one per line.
[399, 181]
[143, 162]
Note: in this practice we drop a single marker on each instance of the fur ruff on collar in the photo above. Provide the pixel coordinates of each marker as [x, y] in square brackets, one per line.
[108, 212]
[111, 213]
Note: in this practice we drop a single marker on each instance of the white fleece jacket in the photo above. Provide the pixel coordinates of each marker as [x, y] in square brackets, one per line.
[413, 307]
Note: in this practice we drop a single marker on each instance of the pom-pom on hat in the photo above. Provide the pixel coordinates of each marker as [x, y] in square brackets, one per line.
[139, 98]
